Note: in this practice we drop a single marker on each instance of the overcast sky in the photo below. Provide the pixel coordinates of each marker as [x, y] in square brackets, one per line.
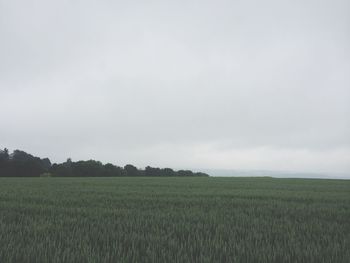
[186, 84]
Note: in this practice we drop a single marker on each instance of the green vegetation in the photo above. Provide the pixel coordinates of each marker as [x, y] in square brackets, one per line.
[174, 219]
[22, 164]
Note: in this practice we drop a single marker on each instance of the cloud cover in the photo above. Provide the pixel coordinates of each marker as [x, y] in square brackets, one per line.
[198, 84]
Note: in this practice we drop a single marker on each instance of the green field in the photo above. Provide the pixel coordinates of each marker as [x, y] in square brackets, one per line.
[174, 220]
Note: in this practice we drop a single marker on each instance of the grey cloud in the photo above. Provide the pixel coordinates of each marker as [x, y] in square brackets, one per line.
[121, 81]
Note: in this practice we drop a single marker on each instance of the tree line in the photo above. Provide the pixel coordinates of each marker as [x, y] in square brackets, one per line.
[22, 164]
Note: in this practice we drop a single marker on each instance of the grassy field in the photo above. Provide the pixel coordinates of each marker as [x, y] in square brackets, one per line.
[174, 220]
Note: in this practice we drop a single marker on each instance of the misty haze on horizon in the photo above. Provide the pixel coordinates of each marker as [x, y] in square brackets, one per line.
[214, 85]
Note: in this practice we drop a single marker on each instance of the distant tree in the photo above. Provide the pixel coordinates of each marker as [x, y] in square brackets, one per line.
[150, 171]
[131, 170]
[63, 170]
[168, 172]
[46, 163]
[4, 162]
[24, 164]
[109, 170]
[89, 168]
[201, 174]
[184, 173]
[4, 155]
[20, 163]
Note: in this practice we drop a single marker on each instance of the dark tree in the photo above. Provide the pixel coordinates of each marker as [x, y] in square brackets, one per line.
[185, 173]
[131, 170]
[150, 171]
[20, 163]
[4, 155]
[168, 172]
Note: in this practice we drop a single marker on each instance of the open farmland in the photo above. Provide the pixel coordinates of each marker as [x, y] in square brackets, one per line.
[174, 220]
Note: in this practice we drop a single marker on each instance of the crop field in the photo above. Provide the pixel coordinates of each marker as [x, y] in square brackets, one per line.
[174, 220]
